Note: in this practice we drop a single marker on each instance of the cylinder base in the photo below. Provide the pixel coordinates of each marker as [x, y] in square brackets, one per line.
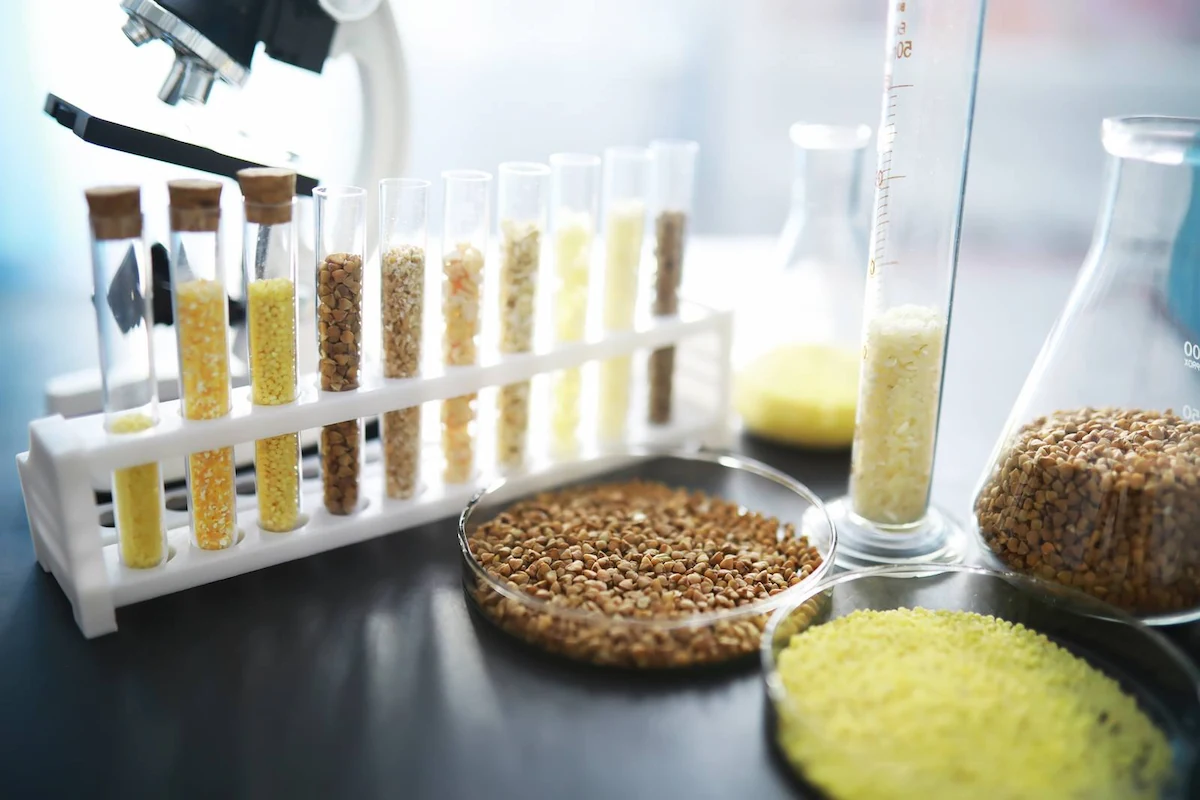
[936, 539]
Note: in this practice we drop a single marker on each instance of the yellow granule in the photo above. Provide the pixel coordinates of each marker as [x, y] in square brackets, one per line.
[912, 703]
[272, 317]
[137, 496]
[213, 504]
[203, 348]
[277, 474]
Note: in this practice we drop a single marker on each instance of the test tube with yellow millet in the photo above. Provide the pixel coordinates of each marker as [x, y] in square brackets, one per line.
[201, 331]
[269, 273]
[123, 323]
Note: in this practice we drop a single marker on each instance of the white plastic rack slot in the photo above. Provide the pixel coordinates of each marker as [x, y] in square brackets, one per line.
[71, 542]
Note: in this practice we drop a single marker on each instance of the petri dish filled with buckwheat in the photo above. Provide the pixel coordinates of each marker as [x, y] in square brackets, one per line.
[663, 560]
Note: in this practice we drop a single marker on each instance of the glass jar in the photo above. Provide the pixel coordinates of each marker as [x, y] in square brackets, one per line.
[1095, 481]
[798, 334]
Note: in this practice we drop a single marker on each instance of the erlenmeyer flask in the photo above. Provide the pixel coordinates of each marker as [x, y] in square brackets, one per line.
[798, 345]
[1095, 482]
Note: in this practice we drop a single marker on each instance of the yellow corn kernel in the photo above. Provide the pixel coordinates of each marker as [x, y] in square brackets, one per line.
[203, 349]
[213, 504]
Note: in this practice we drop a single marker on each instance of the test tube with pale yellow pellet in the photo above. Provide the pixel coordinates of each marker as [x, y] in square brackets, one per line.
[201, 332]
[269, 273]
[122, 297]
[574, 193]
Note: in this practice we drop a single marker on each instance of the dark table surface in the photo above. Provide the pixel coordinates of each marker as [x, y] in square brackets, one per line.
[356, 673]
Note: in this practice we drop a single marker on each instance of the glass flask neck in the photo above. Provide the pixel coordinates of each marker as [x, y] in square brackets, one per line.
[1146, 203]
[825, 182]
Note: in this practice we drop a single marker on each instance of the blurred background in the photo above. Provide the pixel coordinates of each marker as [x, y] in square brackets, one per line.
[517, 80]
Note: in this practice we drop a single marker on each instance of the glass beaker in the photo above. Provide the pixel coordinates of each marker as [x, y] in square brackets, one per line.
[799, 334]
[931, 63]
[1095, 482]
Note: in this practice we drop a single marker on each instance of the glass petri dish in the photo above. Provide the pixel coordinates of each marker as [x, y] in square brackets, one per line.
[683, 641]
[1146, 664]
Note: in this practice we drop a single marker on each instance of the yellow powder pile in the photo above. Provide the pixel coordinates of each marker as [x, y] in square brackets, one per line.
[912, 703]
[272, 319]
[137, 495]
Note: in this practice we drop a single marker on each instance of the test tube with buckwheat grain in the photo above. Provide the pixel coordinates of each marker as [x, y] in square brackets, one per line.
[464, 243]
[521, 206]
[202, 334]
[269, 275]
[674, 178]
[341, 244]
[403, 219]
[123, 323]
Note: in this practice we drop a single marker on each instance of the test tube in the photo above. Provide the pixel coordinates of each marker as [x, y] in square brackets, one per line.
[201, 331]
[674, 178]
[626, 185]
[269, 276]
[522, 211]
[464, 244]
[341, 221]
[931, 63]
[403, 222]
[123, 323]
[574, 194]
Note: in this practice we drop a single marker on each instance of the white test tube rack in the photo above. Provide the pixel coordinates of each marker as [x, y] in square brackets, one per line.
[70, 542]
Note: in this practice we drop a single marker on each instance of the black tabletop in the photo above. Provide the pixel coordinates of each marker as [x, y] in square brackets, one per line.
[361, 672]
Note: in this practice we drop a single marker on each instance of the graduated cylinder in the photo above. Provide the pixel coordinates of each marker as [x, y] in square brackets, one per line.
[269, 275]
[123, 323]
[201, 332]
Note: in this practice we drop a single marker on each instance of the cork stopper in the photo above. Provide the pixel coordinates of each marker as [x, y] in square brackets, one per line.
[115, 212]
[195, 205]
[268, 194]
